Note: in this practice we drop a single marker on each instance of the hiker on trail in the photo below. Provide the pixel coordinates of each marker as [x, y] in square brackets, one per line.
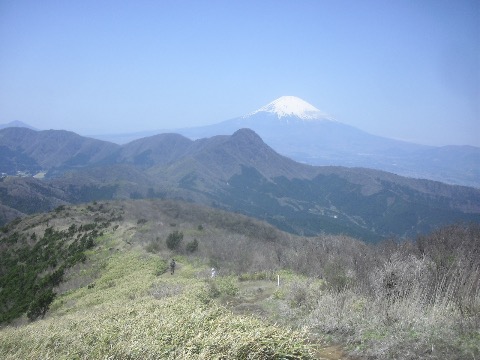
[172, 266]
[214, 272]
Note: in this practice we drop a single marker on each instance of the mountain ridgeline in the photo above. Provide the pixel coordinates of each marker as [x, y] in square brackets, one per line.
[237, 172]
[298, 130]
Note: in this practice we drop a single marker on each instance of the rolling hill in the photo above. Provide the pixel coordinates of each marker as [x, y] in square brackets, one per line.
[238, 173]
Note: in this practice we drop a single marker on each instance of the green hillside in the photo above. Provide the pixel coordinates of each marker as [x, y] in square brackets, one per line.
[275, 296]
[118, 302]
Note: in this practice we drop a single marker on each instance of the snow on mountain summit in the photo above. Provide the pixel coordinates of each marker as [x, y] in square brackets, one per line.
[293, 106]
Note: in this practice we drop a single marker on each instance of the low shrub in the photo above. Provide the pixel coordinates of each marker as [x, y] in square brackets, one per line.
[192, 246]
[174, 239]
[227, 285]
[257, 276]
[161, 267]
[153, 246]
[40, 305]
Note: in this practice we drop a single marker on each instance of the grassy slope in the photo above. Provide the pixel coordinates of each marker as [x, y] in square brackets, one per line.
[121, 304]
[130, 312]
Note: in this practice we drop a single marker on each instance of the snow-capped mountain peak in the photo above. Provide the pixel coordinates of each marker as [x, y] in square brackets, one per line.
[293, 106]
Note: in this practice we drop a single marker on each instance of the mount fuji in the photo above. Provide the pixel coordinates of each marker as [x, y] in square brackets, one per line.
[272, 121]
[299, 130]
[292, 106]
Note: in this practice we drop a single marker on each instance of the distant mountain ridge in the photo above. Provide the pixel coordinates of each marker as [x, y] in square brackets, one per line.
[52, 148]
[238, 172]
[17, 123]
[300, 131]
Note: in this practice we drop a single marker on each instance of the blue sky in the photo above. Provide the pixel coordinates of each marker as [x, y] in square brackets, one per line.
[405, 69]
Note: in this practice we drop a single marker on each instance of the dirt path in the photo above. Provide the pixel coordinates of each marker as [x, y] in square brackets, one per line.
[257, 298]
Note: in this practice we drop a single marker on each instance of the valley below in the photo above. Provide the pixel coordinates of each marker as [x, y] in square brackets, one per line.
[238, 173]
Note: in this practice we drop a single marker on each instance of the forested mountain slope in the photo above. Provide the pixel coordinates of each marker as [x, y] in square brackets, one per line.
[239, 173]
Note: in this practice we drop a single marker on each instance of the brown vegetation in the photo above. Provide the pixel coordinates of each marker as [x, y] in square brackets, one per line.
[394, 300]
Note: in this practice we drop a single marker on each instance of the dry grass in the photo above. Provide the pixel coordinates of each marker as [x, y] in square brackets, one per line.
[119, 318]
[408, 306]
[390, 301]
[405, 329]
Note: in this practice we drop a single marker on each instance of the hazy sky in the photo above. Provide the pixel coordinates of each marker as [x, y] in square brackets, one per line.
[405, 69]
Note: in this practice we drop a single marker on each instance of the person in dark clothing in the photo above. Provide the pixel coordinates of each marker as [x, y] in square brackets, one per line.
[172, 266]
